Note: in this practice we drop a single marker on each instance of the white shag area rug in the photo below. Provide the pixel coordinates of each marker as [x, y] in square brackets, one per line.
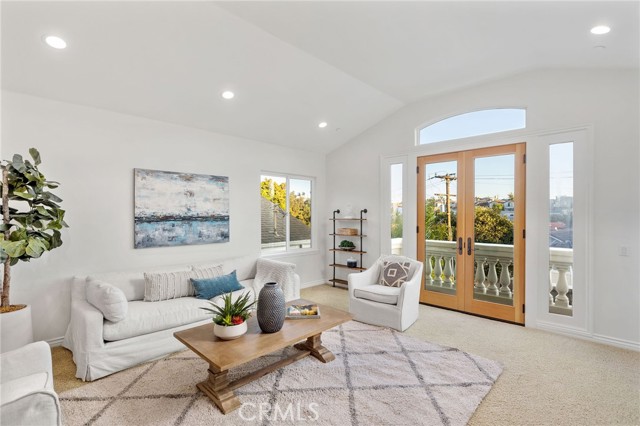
[379, 377]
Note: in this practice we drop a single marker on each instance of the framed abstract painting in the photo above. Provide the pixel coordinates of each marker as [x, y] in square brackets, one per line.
[174, 209]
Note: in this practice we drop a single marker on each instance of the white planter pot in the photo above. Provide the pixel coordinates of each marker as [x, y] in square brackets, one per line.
[230, 332]
[16, 329]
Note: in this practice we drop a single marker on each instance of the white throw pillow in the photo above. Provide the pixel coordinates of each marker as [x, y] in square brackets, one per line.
[108, 299]
[209, 271]
[168, 285]
[171, 285]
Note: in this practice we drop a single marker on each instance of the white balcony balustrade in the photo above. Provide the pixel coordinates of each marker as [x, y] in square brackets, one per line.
[493, 275]
[561, 281]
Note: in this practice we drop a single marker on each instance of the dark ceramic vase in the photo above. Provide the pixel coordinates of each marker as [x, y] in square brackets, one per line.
[271, 309]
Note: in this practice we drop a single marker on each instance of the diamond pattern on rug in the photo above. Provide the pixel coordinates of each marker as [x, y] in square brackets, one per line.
[379, 376]
[162, 379]
[393, 406]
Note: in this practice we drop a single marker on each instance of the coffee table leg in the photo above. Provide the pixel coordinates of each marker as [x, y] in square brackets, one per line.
[216, 387]
[313, 344]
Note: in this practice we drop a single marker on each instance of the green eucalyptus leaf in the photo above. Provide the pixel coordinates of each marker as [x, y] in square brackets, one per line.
[23, 194]
[49, 196]
[14, 248]
[18, 163]
[22, 220]
[18, 235]
[34, 248]
[55, 240]
[43, 211]
[35, 155]
[54, 224]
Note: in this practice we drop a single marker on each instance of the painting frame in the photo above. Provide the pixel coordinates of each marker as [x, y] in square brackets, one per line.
[177, 208]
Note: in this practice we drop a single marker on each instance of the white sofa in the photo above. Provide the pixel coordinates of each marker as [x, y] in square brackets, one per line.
[395, 307]
[26, 384]
[101, 347]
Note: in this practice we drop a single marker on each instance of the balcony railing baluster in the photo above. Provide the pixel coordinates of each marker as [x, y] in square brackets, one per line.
[505, 279]
[443, 272]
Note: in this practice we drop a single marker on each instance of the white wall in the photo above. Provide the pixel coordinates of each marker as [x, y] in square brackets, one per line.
[555, 99]
[92, 153]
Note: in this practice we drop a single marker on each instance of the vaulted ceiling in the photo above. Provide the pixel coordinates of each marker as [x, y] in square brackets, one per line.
[295, 64]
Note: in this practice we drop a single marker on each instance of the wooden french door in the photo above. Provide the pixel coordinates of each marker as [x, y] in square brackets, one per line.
[471, 230]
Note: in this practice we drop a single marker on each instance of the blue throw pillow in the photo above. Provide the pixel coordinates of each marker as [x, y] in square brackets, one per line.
[208, 288]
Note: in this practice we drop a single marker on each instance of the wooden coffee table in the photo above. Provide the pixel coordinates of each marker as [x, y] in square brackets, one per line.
[223, 355]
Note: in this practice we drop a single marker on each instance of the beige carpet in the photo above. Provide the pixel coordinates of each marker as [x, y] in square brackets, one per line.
[548, 379]
[379, 377]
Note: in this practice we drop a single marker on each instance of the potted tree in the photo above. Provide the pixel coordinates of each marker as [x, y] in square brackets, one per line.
[31, 224]
[230, 319]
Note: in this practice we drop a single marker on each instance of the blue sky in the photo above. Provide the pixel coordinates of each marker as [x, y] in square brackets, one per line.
[494, 175]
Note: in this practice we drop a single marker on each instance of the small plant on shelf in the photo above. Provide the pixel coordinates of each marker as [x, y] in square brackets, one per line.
[231, 313]
[346, 245]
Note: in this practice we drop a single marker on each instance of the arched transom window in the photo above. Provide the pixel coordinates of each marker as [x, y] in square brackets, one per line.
[474, 123]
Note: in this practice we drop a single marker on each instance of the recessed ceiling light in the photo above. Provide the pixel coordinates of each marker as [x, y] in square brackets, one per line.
[600, 29]
[55, 42]
[228, 94]
[322, 125]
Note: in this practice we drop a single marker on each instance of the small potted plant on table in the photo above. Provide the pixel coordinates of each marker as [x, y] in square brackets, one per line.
[230, 319]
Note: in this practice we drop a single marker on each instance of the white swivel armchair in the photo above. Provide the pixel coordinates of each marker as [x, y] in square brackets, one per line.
[394, 307]
[26, 382]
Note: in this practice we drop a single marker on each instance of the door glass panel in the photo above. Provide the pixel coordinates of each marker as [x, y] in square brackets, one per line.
[396, 209]
[494, 210]
[561, 229]
[440, 214]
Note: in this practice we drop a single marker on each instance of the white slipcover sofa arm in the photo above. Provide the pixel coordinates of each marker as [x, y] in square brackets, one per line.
[40, 408]
[269, 270]
[30, 359]
[26, 379]
[410, 290]
[84, 335]
[86, 325]
[364, 278]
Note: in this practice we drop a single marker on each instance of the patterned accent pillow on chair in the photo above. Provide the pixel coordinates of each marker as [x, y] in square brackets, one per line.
[394, 274]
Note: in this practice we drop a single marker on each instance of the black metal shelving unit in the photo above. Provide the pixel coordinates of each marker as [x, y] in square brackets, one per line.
[336, 265]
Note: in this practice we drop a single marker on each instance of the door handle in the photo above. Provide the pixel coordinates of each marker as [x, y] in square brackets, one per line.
[469, 246]
[460, 246]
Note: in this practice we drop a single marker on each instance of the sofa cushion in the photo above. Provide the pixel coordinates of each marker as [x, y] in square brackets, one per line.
[394, 274]
[378, 293]
[109, 299]
[208, 288]
[146, 317]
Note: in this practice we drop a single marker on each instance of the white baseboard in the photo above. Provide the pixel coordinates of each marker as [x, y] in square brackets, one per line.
[312, 283]
[614, 341]
[585, 335]
[57, 341]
